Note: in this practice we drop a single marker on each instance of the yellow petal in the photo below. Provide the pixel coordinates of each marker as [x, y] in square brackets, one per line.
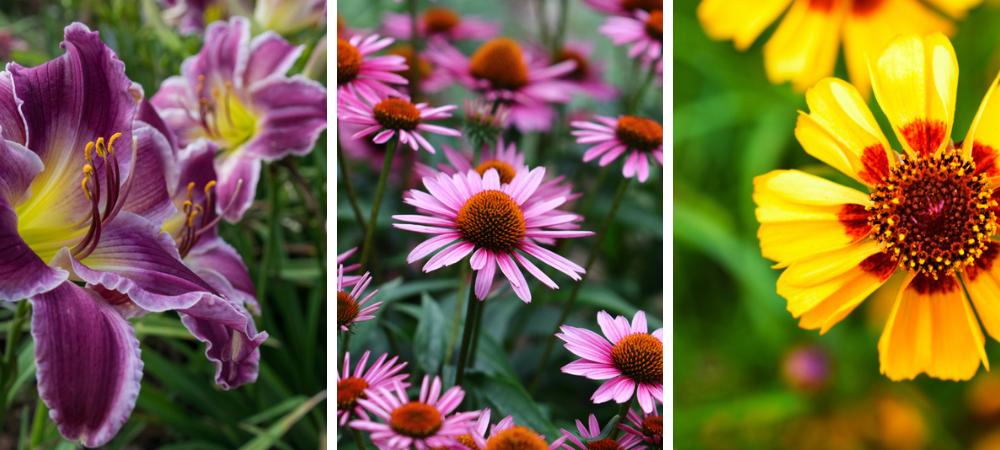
[803, 215]
[982, 281]
[915, 82]
[982, 143]
[955, 8]
[841, 131]
[931, 330]
[867, 33]
[861, 282]
[834, 278]
[803, 49]
[739, 20]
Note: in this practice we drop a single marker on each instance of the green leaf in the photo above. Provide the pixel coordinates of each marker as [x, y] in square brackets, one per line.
[508, 397]
[268, 437]
[490, 354]
[275, 410]
[429, 339]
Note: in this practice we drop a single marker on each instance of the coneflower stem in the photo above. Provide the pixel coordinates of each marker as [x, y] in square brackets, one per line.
[358, 439]
[637, 98]
[476, 332]
[347, 343]
[470, 321]
[557, 40]
[622, 187]
[415, 69]
[367, 250]
[459, 301]
[349, 188]
[623, 413]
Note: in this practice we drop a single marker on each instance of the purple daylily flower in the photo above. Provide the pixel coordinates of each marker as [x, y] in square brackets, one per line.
[235, 93]
[190, 16]
[75, 207]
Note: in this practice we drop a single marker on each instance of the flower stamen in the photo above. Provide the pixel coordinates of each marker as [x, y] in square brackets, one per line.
[416, 420]
[492, 220]
[639, 356]
[397, 114]
[114, 198]
[640, 133]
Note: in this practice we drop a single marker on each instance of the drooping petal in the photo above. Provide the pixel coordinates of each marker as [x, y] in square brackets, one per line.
[88, 363]
[231, 340]
[931, 330]
[915, 82]
[218, 263]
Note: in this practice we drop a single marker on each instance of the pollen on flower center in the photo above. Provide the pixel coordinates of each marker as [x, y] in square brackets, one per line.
[397, 114]
[933, 214]
[652, 426]
[439, 19]
[639, 356]
[582, 67]
[645, 5]
[467, 441]
[505, 171]
[654, 25]
[500, 62]
[492, 220]
[516, 438]
[348, 62]
[639, 132]
[349, 390]
[415, 419]
[604, 444]
[347, 309]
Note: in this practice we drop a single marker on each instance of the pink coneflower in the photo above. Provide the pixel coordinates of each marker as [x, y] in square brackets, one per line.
[644, 30]
[624, 442]
[648, 428]
[350, 389]
[489, 221]
[499, 69]
[438, 22]
[644, 137]
[350, 280]
[423, 424]
[349, 309]
[432, 78]
[588, 76]
[507, 436]
[360, 74]
[633, 360]
[391, 115]
[624, 7]
[507, 161]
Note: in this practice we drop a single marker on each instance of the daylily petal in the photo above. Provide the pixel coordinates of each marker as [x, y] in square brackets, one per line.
[218, 263]
[269, 55]
[88, 363]
[154, 172]
[11, 122]
[915, 82]
[292, 114]
[232, 168]
[228, 41]
[230, 337]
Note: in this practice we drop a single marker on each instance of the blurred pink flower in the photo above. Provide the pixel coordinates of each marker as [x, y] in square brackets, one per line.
[350, 389]
[438, 22]
[359, 74]
[644, 30]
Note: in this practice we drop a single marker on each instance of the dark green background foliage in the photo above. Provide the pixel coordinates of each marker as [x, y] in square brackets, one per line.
[731, 328]
[281, 238]
[416, 320]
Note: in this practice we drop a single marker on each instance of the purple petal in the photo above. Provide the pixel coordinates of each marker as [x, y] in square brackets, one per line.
[147, 113]
[88, 363]
[231, 340]
[218, 263]
[270, 55]
[11, 122]
[291, 114]
[223, 55]
[155, 172]
[232, 168]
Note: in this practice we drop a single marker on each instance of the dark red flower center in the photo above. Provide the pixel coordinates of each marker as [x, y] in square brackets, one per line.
[604, 444]
[516, 438]
[652, 426]
[439, 19]
[397, 114]
[582, 69]
[349, 390]
[505, 171]
[347, 309]
[654, 25]
[645, 5]
[416, 420]
[492, 220]
[348, 62]
[468, 441]
[500, 61]
[639, 356]
[933, 214]
[639, 132]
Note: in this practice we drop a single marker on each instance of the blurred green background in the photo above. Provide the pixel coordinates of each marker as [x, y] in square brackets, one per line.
[732, 333]
[282, 239]
[416, 320]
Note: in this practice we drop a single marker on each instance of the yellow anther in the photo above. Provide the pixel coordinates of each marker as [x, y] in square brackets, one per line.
[191, 190]
[186, 207]
[191, 219]
[100, 147]
[111, 142]
[199, 209]
[88, 169]
[83, 185]
[87, 151]
[209, 186]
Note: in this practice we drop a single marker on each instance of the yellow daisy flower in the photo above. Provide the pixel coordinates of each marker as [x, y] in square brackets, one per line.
[804, 47]
[930, 213]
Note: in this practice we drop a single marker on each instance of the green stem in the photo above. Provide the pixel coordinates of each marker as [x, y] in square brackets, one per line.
[560, 27]
[588, 201]
[637, 98]
[459, 300]
[38, 425]
[470, 321]
[347, 344]
[476, 332]
[358, 438]
[622, 414]
[8, 371]
[622, 187]
[367, 250]
[264, 270]
[543, 25]
[349, 188]
[415, 69]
